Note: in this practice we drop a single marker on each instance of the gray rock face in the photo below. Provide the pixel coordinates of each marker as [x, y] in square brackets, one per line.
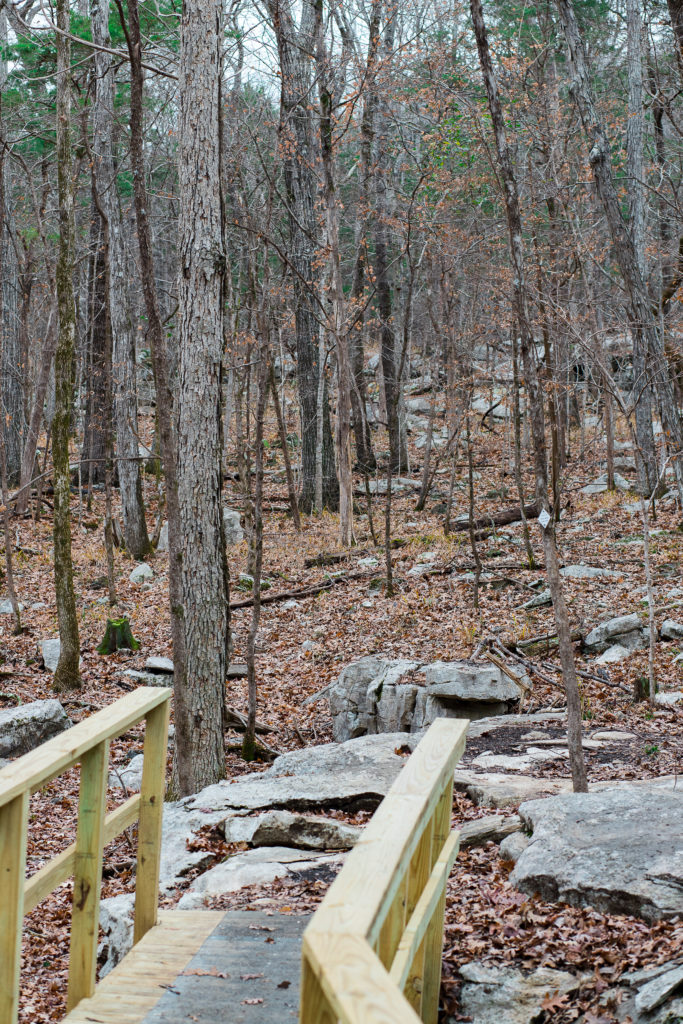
[624, 630]
[355, 774]
[513, 846]
[162, 546]
[672, 630]
[494, 994]
[7, 609]
[141, 573]
[27, 726]
[116, 921]
[620, 850]
[283, 828]
[587, 572]
[378, 695]
[495, 789]
[234, 534]
[655, 992]
[159, 664]
[255, 867]
[128, 777]
[50, 650]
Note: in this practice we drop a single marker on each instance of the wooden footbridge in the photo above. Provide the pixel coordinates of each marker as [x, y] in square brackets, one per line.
[370, 954]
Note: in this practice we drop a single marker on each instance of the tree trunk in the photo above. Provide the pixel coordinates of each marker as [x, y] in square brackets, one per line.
[640, 313]
[94, 374]
[122, 335]
[159, 351]
[535, 400]
[200, 689]
[646, 454]
[298, 150]
[67, 676]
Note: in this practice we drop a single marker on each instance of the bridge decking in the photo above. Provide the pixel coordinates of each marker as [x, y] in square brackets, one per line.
[194, 966]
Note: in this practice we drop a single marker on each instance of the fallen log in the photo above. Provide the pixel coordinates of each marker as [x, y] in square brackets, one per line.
[505, 518]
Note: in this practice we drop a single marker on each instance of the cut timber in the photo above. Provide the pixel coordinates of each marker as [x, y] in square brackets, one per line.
[140, 980]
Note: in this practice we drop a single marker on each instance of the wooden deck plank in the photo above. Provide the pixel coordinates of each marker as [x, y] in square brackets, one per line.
[133, 988]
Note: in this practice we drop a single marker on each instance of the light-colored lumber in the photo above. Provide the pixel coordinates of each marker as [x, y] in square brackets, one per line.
[13, 824]
[85, 914]
[55, 756]
[360, 896]
[419, 921]
[132, 989]
[433, 940]
[61, 867]
[149, 828]
[315, 1007]
[397, 870]
[355, 982]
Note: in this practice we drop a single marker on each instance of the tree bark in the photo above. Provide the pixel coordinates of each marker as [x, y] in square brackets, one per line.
[159, 350]
[298, 152]
[646, 454]
[200, 688]
[67, 676]
[122, 335]
[639, 310]
[535, 400]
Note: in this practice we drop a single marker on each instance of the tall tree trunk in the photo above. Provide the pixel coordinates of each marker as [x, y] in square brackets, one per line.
[646, 454]
[122, 335]
[13, 368]
[200, 690]
[159, 352]
[67, 676]
[298, 150]
[535, 400]
[640, 314]
[94, 371]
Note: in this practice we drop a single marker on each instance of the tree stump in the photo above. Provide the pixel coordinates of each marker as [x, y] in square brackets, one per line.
[118, 636]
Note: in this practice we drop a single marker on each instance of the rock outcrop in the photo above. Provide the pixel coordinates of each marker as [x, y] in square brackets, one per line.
[25, 727]
[379, 695]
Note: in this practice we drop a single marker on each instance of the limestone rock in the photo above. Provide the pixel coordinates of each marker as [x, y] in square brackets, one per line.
[158, 664]
[599, 486]
[50, 651]
[672, 630]
[6, 608]
[495, 789]
[377, 695]
[613, 655]
[624, 630]
[355, 774]
[308, 832]
[116, 922]
[25, 727]
[669, 699]
[234, 534]
[620, 850]
[492, 828]
[587, 572]
[141, 573]
[490, 995]
[162, 546]
[129, 776]
[257, 867]
[657, 991]
[513, 846]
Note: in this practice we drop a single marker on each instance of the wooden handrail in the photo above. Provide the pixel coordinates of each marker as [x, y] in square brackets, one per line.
[372, 951]
[87, 743]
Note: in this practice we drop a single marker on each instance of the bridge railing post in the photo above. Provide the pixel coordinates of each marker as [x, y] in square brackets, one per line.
[13, 825]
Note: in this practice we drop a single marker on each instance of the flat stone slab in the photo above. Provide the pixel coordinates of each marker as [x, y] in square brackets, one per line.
[247, 972]
[495, 789]
[259, 867]
[356, 774]
[491, 995]
[619, 850]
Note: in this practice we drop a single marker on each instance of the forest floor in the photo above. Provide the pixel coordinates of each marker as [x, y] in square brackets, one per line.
[302, 648]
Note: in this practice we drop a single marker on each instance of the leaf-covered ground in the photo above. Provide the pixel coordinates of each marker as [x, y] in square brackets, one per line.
[302, 648]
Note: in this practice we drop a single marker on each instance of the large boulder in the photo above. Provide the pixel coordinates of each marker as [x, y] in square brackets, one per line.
[624, 630]
[377, 695]
[27, 726]
[285, 828]
[620, 850]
